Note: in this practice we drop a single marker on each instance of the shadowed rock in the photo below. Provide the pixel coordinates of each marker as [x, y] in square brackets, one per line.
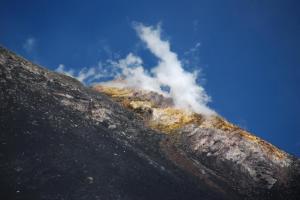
[61, 140]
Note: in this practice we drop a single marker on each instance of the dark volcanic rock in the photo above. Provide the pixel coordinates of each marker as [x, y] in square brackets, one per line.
[61, 140]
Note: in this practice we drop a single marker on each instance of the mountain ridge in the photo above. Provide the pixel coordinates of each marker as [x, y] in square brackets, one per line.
[175, 122]
[56, 132]
[167, 118]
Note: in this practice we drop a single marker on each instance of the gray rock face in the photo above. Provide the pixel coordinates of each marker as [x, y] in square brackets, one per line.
[61, 140]
[244, 163]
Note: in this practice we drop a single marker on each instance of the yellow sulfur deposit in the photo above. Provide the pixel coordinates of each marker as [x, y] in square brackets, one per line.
[114, 91]
[169, 119]
[163, 119]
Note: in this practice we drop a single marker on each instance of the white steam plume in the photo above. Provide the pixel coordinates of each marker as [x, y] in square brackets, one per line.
[184, 90]
[89, 75]
[169, 73]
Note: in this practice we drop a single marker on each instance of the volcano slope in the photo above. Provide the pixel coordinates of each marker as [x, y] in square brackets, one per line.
[62, 140]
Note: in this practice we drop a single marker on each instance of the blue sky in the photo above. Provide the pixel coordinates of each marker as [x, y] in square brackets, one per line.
[249, 51]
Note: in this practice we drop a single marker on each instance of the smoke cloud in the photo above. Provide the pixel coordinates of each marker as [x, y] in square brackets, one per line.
[167, 78]
[169, 72]
[91, 75]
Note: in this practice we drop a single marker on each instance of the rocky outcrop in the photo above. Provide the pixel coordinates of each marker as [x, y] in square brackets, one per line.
[211, 148]
[62, 140]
